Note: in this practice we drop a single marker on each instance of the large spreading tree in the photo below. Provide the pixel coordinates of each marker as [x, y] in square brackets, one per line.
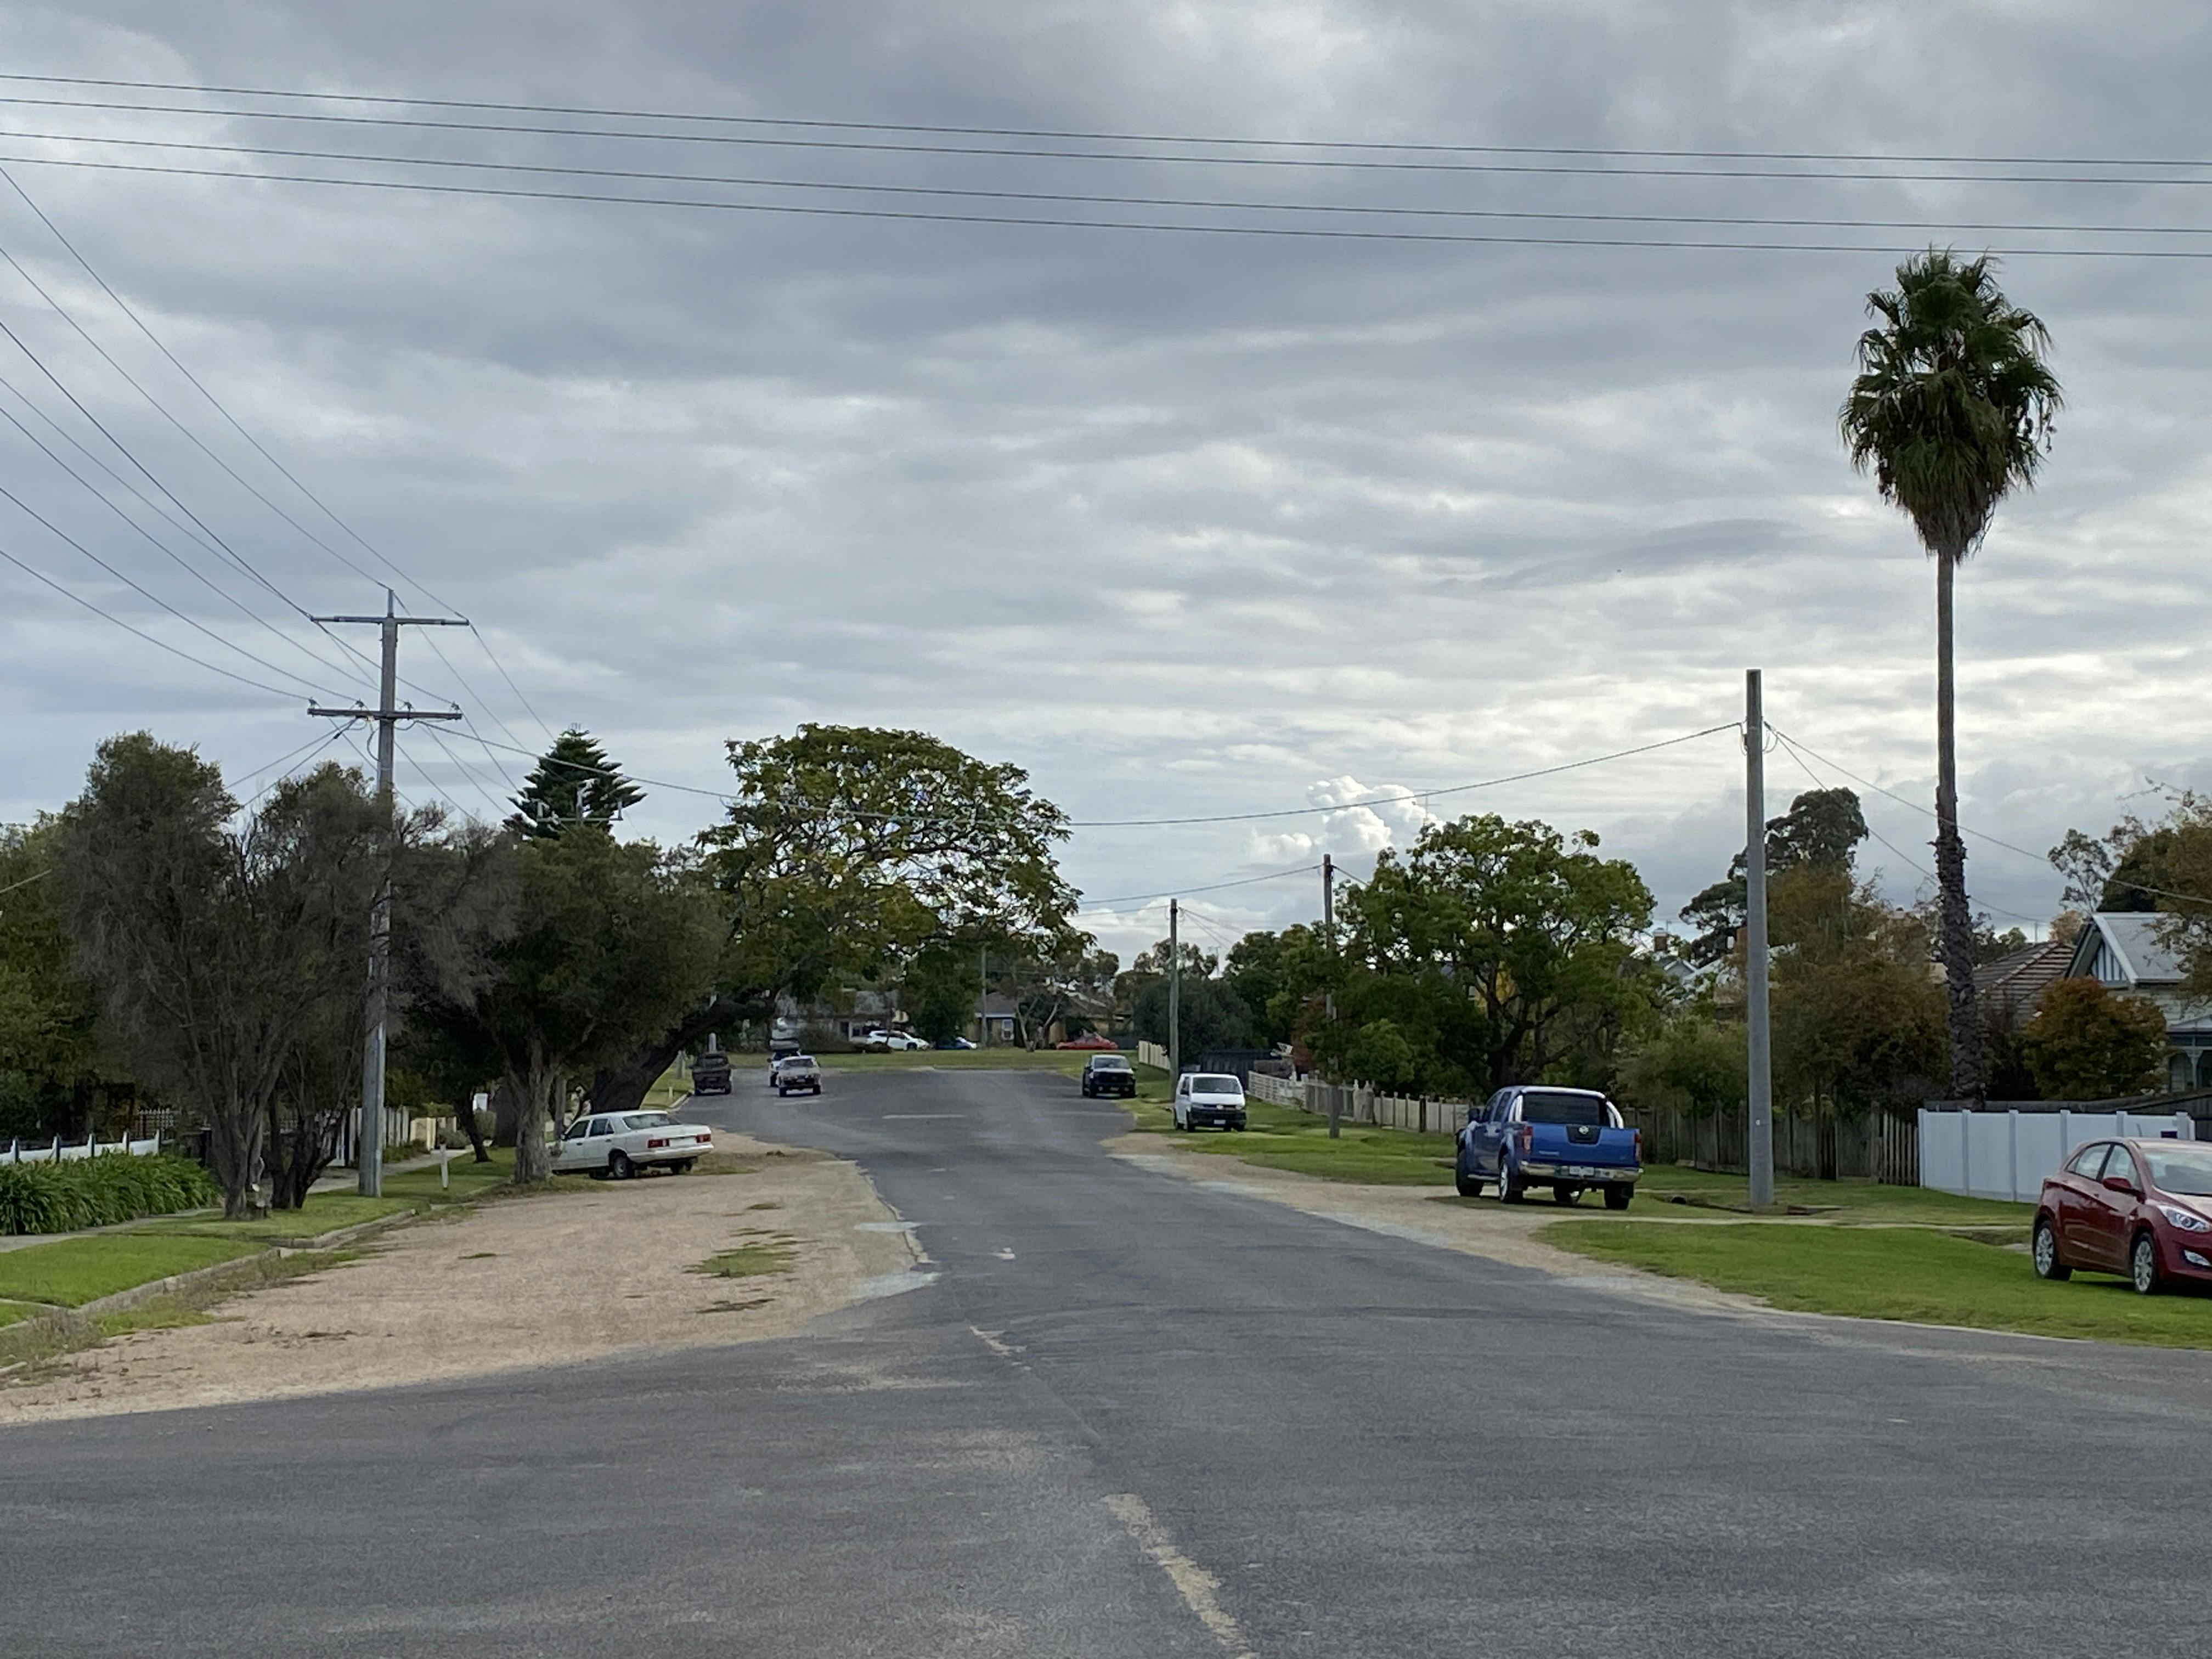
[1951, 411]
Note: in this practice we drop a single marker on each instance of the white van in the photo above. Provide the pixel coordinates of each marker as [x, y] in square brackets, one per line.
[1213, 1098]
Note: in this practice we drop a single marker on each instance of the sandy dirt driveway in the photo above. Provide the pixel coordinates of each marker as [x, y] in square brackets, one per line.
[515, 1283]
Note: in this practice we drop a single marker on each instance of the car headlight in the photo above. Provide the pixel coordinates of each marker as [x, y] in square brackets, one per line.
[2188, 1220]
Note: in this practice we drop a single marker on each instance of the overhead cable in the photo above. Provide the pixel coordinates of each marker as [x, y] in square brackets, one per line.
[1314, 233]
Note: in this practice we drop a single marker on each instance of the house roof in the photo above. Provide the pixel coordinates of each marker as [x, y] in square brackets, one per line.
[2021, 977]
[2122, 947]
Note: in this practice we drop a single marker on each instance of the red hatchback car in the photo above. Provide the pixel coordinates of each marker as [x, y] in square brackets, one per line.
[2139, 1208]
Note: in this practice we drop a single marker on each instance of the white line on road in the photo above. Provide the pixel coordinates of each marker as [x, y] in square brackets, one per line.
[1193, 1582]
[918, 1117]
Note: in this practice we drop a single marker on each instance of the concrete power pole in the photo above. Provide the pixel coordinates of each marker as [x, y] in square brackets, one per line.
[982, 996]
[1328, 941]
[1760, 1135]
[1175, 992]
[369, 1144]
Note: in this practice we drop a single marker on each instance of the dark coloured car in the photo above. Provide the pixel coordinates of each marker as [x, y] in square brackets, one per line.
[1109, 1074]
[710, 1075]
[2139, 1208]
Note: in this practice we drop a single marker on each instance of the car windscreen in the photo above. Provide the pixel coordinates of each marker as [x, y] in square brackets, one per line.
[1215, 1085]
[1549, 1106]
[1110, 1063]
[647, 1120]
[2180, 1168]
[800, 1063]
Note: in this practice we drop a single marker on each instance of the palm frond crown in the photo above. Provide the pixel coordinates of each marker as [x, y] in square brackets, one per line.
[1953, 405]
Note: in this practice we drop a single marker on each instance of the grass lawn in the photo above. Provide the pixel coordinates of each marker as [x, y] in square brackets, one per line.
[11, 1312]
[1908, 1274]
[1848, 1202]
[1281, 1137]
[72, 1272]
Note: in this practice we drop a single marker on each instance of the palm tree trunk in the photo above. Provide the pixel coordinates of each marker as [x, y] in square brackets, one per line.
[1957, 921]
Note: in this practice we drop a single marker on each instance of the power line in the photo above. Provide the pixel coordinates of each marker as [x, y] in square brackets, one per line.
[647, 175]
[148, 594]
[1858, 172]
[1309, 233]
[222, 408]
[1079, 135]
[1410, 795]
[1089, 904]
[201, 662]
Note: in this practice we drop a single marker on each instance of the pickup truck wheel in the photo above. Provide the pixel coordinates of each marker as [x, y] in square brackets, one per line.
[1566, 1195]
[1508, 1190]
[619, 1168]
[1616, 1198]
[1467, 1185]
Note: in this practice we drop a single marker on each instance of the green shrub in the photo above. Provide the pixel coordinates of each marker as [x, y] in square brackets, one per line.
[98, 1192]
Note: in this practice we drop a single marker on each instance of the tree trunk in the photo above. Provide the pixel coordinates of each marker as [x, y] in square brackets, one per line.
[473, 1129]
[1958, 921]
[505, 1111]
[533, 1093]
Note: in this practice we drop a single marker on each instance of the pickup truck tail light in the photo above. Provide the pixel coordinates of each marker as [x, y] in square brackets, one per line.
[1524, 1138]
[1639, 1145]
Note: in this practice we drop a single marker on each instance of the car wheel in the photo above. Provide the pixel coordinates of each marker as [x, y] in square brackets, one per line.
[619, 1167]
[2045, 1249]
[1565, 1195]
[1616, 1198]
[2143, 1265]
[1508, 1190]
[1466, 1184]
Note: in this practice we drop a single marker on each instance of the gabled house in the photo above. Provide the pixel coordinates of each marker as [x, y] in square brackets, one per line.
[2123, 950]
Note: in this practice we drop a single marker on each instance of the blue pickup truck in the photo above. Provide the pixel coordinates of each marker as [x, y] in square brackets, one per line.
[1568, 1139]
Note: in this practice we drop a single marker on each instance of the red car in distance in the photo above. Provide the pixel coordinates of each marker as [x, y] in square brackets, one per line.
[2139, 1208]
[1091, 1040]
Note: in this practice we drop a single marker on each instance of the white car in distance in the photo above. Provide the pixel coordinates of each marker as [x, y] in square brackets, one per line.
[620, 1145]
[891, 1042]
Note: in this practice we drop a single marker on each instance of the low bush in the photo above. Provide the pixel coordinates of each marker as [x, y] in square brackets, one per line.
[98, 1192]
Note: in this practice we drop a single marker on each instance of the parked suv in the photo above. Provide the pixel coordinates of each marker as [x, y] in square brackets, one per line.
[710, 1075]
[1108, 1075]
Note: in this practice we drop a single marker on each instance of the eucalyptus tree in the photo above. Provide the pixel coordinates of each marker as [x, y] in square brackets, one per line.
[1951, 411]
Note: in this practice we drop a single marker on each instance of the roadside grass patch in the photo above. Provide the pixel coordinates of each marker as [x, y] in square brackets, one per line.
[71, 1272]
[770, 1255]
[1919, 1275]
[36, 1344]
[1691, 1192]
[324, 1213]
[1281, 1137]
[10, 1312]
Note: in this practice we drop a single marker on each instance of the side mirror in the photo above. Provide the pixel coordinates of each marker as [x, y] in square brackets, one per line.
[1475, 1115]
[2120, 1184]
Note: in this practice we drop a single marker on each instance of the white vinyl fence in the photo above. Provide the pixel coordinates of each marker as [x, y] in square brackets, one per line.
[1358, 1103]
[58, 1154]
[2006, 1154]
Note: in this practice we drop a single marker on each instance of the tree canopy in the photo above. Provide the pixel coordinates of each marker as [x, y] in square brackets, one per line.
[1822, 828]
[575, 781]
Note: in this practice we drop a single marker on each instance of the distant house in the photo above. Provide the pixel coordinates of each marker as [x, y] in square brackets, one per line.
[2014, 985]
[2122, 948]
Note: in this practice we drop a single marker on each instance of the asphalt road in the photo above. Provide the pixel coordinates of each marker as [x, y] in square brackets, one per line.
[1132, 1415]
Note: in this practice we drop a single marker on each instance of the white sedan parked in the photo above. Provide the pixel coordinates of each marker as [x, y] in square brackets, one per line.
[624, 1144]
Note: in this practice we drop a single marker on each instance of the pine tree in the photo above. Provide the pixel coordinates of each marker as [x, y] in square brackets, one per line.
[575, 781]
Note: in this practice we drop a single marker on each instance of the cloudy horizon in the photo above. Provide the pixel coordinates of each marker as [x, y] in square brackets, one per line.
[1187, 524]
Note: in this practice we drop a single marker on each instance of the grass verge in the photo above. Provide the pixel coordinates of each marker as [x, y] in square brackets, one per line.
[1860, 1202]
[1916, 1274]
[749, 1261]
[1282, 1138]
[39, 1343]
[71, 1272]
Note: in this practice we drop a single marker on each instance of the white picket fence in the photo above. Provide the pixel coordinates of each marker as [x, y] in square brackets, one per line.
[2006, 1154]
[60, 1153]
[1358, 1103]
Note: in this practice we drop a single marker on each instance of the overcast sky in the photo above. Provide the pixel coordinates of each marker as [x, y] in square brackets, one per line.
[1185, 524]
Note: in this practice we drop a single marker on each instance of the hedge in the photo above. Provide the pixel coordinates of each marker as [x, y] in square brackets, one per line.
[98, 1192]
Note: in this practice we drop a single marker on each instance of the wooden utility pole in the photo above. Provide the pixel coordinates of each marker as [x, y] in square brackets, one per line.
[1761, 1126]
[369, 1144]
[1175, 992]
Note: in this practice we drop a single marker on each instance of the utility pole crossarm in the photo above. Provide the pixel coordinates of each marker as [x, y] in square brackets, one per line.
[404, 622]
[400, 714]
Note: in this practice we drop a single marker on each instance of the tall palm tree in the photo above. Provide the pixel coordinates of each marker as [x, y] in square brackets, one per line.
[1951, 411]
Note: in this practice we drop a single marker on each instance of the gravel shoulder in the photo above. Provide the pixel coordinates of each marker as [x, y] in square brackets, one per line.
[513, 1284]
[1497, 1231]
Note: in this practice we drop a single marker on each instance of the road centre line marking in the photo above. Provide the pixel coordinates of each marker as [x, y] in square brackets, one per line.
[1193, 1582]
[918, 1117]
